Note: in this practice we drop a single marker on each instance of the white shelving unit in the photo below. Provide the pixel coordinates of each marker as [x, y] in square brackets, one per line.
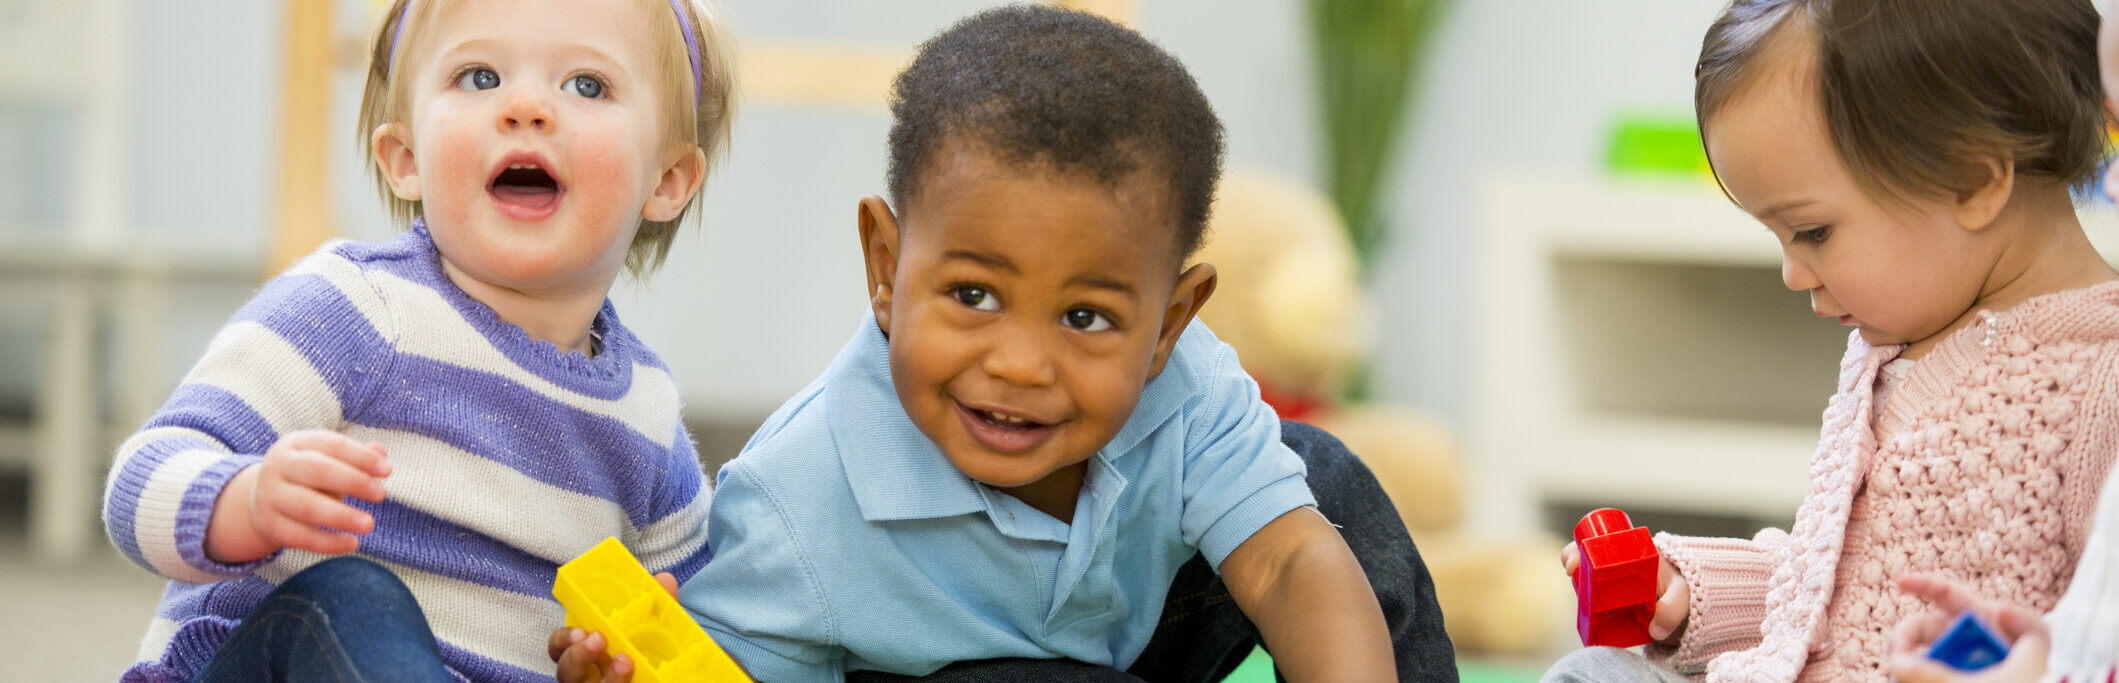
[1634, 346]
[70, 57]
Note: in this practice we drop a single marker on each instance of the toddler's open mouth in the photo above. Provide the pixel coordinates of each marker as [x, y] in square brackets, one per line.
[525, 185]
[523, 188]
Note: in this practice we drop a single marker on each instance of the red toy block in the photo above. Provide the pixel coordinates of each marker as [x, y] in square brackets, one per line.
[1615, 582]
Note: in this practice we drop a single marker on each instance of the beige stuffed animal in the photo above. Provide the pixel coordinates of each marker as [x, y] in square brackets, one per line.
[1291, 303]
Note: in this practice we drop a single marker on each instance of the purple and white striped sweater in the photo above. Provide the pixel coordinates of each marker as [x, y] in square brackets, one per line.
[509, 456]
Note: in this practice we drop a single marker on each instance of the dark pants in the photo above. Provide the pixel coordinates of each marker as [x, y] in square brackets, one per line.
[345, 619]
[1203, 636]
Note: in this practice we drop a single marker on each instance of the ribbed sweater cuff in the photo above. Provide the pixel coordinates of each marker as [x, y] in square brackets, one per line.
[1728, 578]
[197, 513]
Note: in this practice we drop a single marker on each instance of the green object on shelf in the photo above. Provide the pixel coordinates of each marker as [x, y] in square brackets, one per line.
[1648, 143]
[1257, 668]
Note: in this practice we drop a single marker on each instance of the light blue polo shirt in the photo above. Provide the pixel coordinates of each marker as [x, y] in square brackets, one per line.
[843, 540]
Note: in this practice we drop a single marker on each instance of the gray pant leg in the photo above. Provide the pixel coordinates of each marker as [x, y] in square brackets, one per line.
[1609, 665]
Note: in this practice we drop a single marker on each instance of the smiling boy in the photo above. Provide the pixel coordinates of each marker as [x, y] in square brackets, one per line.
[1029, 435]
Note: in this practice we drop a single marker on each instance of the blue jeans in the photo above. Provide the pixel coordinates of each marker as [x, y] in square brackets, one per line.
[345, 619]
[1204, 636]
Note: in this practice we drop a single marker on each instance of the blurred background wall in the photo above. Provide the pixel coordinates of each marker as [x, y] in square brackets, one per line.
[1526, 294]
[751, 306]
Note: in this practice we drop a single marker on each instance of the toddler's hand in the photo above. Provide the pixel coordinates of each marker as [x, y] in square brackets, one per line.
[1674, 597]
[296, 498]
[581, 657]
[580, 654]
[1911, 639]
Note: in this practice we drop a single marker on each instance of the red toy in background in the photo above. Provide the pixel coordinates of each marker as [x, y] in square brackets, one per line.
[1615, 581]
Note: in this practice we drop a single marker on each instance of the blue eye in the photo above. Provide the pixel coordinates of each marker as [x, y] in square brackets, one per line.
[977, 298]
[1815, 235]
[584, 85]
[1085, 320]
[479, 78]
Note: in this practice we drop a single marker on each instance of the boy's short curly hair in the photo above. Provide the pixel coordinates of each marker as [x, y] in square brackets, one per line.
[1063, 90]
[1916, 93]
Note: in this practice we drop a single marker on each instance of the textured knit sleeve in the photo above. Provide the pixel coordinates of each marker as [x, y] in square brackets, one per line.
[1727, 577]
[675, 541]
[303, 354]
[762, 598]
[1238, 476]
[2087, 460]
[2085, 624]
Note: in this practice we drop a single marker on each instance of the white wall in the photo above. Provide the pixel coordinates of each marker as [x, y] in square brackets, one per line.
[751, 307]
[1512, 85]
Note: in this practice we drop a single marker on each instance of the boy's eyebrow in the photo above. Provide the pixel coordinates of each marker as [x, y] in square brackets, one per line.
[1101, 282]
[988, 260]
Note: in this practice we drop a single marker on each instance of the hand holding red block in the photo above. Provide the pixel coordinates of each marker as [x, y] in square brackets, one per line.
[1615, 590]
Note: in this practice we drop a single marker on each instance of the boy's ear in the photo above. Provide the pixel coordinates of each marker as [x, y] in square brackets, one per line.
[680, 180]
[1977, 209]
[393, 154]
[1194, 287]
[879, 251]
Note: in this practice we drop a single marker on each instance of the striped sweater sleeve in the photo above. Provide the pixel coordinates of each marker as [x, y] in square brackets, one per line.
[302, 354]
[674, 540]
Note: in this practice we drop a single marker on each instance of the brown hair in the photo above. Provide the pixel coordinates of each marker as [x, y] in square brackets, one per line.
[694, 114]
[1917, 93]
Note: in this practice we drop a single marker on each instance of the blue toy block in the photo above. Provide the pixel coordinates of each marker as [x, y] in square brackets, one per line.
[1968, 645]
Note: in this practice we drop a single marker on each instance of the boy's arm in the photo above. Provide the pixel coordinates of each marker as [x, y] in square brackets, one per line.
[760, 596]
[1250, 512]
[1301, 586]
[299, 355]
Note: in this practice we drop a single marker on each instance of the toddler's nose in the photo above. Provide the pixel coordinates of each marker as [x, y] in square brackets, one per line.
[1020, 362]
[1797, 275]
[525, 111]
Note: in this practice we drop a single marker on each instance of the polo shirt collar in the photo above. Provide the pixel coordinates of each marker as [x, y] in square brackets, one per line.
[895, 470]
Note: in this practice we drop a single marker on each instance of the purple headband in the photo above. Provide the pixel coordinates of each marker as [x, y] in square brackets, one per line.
[684, 26]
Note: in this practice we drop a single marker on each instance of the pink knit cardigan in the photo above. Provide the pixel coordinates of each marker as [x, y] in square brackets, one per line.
[1984, 465]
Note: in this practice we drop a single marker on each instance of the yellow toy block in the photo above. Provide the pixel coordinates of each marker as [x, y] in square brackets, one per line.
[607, 591]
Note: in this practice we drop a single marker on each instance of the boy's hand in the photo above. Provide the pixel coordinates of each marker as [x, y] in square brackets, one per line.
[2013, 623]
[581, 658]
[580, 654]
[295, 498]
[1674, 597]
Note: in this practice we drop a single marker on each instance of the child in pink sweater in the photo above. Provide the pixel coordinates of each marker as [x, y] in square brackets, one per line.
[2078, 641]
[1914, 159]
